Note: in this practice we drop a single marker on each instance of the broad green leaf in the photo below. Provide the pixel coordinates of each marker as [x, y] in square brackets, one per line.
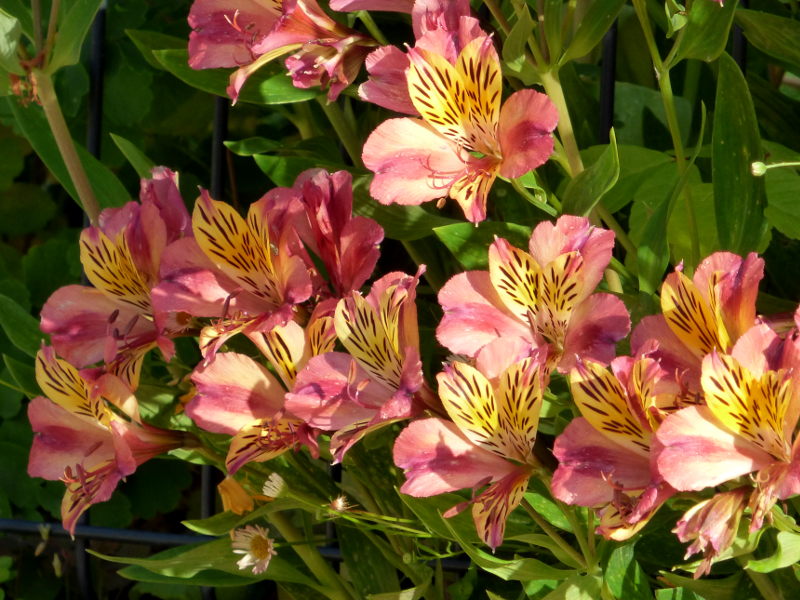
[138, 159]
[470, 243]
[787, 553]
[588, 188]
[515, 48]
[676, 594]
[708, 589]
[702, 206]
[72, 30]
[24, 374]
[253, 145]
[10, 31]
[517, 569]
[11, 395]
[635, 165]
[414, 593]
[577, 587]
[592, 28]
[20, 10]
[777, 36]
[219, 524]
[261, 88]
[783, 210]
[25, 208]
[542, 502]
[739, 197]
[635, 107]
[206, 577]
[31, 121]
[186, 562]
[147, 41]
[544, 541]
[429, 511]
[50, 265]
[13, 150]
[367, 567]
[624, 577]
[20, 327]
[706, 32]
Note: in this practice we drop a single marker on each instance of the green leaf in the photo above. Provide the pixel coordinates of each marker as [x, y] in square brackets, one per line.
[21, 10]
[542, 502]
[10, 31]
[783, 210]
[708, 589]
[414, 593]
[553, 18]
[186, 562]
[706, 32]
[72, 30]
[515, 48]
[777, 36]
[20, 327]
[10, 398]
[253, 145]
[470, 243]
[577, 587]
[218, 524]
[50, 265]
[624, 577]
[24, 374]
[787, 553]
[147, 41]
[261, 87]
[702, 206]
[635, 165]
[636, 107]
[588, 188]
[25, 208]
[676, 594]
[31, 121]
[368, 569]
[429, 511]
[739, 197]
[138, 159]
[592, 28]
[207, 577]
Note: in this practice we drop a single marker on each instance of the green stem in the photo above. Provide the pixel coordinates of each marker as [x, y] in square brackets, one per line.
[58, 126]
[552, 86]
[498, 15]
[588, 555]
[554, 535]
[36, 9]
[372, 27]
[334, 587]
[762, 581]
[51, 28]
[620, 233]
[522, 191]
[343, 129]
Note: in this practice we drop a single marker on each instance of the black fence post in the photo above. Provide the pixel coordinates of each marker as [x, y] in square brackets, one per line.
[608, 75]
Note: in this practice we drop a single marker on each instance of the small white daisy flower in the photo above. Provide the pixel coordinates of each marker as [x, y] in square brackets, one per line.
[254, 543]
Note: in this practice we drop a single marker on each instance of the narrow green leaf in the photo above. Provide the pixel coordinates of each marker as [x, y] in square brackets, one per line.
[516, 46]
[708, 589]
[588, 188]
[593, 26]
[676, 594]
[553, 18]
[31, 121]
[470, 243]
[368, 569]
[253, 145]
[429, 511]
[207, 577]
[10, 31]
[777, 36]
[706, 32]
[414, 593]
[24, 374]
[787, 553]
[577, 587]
[147, 41]
[20, 327]
[138, 159]
[72, 30]
[739, 197]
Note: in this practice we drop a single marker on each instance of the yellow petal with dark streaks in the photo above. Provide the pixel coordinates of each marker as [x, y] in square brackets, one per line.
[479, 68]
[690, 317]
[492, 508]
[519, 401]
[261, 441]
[751, 407]
[361, 332]
[515, 276]
[603, 403]
[240, 249]
[110, 268]
[559, 292]
[62, 384]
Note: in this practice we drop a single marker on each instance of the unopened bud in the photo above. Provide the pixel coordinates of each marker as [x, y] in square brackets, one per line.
[758, 169]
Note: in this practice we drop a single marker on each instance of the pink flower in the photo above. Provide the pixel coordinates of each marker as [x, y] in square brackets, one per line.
[380, 380]
[604, 455]
[81, 441]
[249, 35]
[464, 138]
[115, 320]
[542, 298]
[710, 311]
[489, 441]
[752, 404]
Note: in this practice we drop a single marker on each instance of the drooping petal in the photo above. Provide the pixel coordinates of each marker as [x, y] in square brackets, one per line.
[232, 391]
[161, 190]
[261, 441]
[492, 507]
[63, 384]
[692, 451]
[387, 85]
[595, 327]
[527, 121]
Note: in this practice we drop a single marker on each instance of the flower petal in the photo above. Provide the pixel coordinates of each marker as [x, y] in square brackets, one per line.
[527, 121]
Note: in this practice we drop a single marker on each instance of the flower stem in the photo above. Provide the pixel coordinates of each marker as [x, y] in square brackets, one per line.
[550, 210]
[372, 27]
[335, 588]
[554, 535]
[343, 129]
[58, 126]
[498, 15]
[552, 86]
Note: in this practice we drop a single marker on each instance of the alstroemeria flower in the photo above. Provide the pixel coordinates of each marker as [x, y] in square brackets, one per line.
[712, 525]
[464, 139]
[541, 298]
[490, 440]
[710, 311]
[250, 34]
[79, 440]
[380, 380]
[320, 209]
[604, 456]
[234, 270]
[115, 321]
[752, 404]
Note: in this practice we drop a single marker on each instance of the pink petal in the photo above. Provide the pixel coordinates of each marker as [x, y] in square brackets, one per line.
[758, 350]
[387, 85]
[693, 452]
[412, 162]
[595, 327]
[403, 6]
[436, 459]
[232, 391]
[527, 121]
[162, 191]
[591, 466]
[473, 316]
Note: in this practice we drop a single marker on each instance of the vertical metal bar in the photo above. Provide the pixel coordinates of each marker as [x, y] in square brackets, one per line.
[739, 44]
[608, 76]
